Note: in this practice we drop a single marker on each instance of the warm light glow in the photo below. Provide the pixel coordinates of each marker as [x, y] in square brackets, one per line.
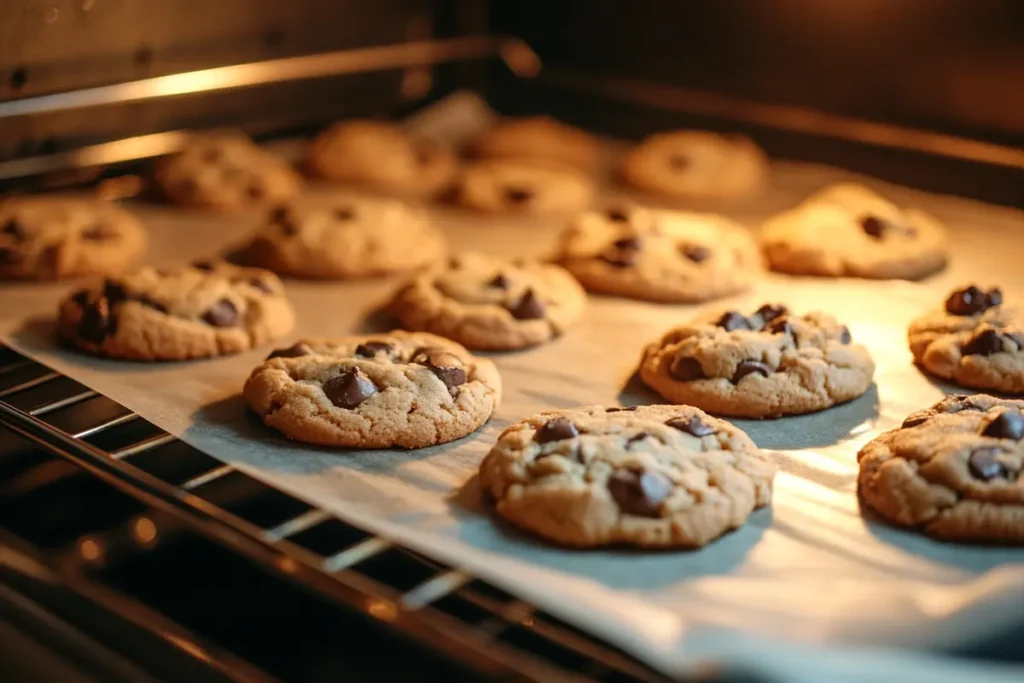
[91, 550]
[385, 610]
[144, 532]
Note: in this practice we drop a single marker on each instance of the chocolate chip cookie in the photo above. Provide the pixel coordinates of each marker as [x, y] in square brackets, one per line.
[973, 340]
[696, 164]
[225, 172]
[44, 238]
[652, 476]
[343, 237]
[487, 303]
[669, 256]
[954, 471]
[382, 156]
[542, 138]
[398, 389]
[766, 364]
[178, 313]
[524, 187]
[849, 231]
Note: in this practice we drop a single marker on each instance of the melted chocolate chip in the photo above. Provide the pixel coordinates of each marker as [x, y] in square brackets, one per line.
[12, 228]
[261, 284]
[96, 323]
[114, 292]
[915, 419]
[984, 464]
[349, 389]
[733, 320]
[984, 343]
[639, 492]
[446, 367]
[255, 191]
[528, 308]
[636, 437]
[518, 195]
[874, 226]
[844, 336]
[155, 305]
[751, 367]
[1009, 424]
[280, 214]
[371, 348]
[221, 314]
[81, 297]
[557, 429]
[97, 233]
[344, 213]
[211, 155]
[695, 252]
[692, 425]
[677, 162]
[770, 312]
[620, 409]
[686, 369]
[780, 326]
[294, 351]
[205, 266]
[617, 214]
[971, 300]
[499, 281]
[623, 252]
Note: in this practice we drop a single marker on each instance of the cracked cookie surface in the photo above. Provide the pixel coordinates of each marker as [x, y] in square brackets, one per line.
[974, 340]
[696, 164]
[177, 313]
[383, 156]
[955, 470]
[342, 238]
[519, 186]
[226, 172]
[487, 303]
[542, 138]
[650, 476]
[670, 256]
[849, 231]
[374, 391]
[767, 364]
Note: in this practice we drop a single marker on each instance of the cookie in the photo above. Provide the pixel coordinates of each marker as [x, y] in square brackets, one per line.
[487, 303]
[177, 314]
[343, 237]
[397, 389]
[524, 187]
[973, 340]
[767, 364]
[382, 156]
[954, 471]
[695, 164]
[225, 172]
[666, 256]
[849, 231]
[540, 138]
[46, 238]
[649, 476]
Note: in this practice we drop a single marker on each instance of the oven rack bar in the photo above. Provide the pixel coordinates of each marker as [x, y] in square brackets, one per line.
[82, 433]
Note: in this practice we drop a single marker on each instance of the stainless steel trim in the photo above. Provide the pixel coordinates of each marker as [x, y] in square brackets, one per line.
[355, 554]
[127, 149]
[296, 525]
[207, 477]
[63, 403]
[435, 589]
[109, 424]
[35, 382]
[142, 446]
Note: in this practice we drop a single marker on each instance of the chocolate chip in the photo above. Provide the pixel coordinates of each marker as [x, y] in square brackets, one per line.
[446, 367]
[732, 320]
[695, 252]
[677, 162]
[557, 429]
[780, 326]
[1016, 338]
[499, 281]
[150, 303]
[221, 314]
[344, 213]
[114, 292]
[636, 437]
[639, 492]
[205, 266]
[686, 369]
[425, 152]
[844, 336]
[749, 367]
[9, 255]
[294, 351]
[518, 195]
[692, 425]
[617, 215]
[874, 226]
[349, 389]
[12, 228]
[371, 348]
[81, 297]
[984, 464]
[255, 191]
[1008, 424]
[971, 300]
[96, 322]
[915, 419]
[620, 409]
[528, 308]
[623, 252]
[984, 343]
[261, 284]
[211, 155]
[770, 312]
[97, 233]
[280, 214]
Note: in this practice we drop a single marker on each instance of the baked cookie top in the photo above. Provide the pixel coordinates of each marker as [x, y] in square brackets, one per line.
[49, 238]
[848, 230]
[955, 470]
[542, 138]
[384, 156]
[652, 476]
[177, 313]
[225, 172]
[525, 187]
[770, 363]
[375, 391]
[487, 303]
[974, 340]
[659, 255]
[689, 163]
[343, 237]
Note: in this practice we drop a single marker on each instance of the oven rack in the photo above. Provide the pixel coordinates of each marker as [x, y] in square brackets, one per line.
[97, 500]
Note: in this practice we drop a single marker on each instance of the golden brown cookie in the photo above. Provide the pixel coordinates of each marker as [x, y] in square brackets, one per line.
[540, 138]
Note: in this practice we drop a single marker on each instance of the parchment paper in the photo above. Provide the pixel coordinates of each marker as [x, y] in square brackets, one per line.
[810, 590]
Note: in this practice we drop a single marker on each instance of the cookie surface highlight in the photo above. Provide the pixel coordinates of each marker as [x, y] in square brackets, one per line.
[955, 471]
[650, 476]
[540, 138]
[524, 187]
[374, 391]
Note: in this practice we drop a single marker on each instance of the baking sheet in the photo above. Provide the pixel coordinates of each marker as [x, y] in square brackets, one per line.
[805, 591]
